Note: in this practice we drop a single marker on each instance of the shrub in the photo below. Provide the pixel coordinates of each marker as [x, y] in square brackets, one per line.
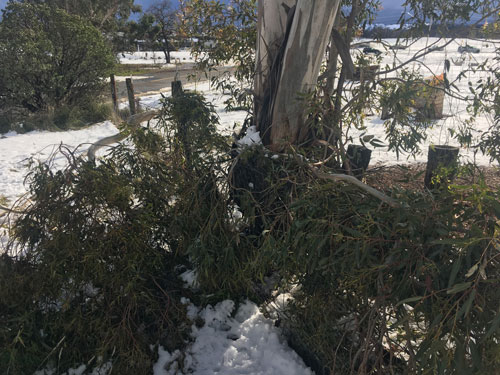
[374, 289]
[93, 266]
[49, 59]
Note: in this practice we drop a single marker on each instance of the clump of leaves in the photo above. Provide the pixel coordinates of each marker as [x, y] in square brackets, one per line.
[91, 275]
[375, 289]
[53, 59]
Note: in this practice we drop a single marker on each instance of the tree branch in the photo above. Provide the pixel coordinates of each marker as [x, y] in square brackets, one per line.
[354, 181]
[133, 121]
[10, 211]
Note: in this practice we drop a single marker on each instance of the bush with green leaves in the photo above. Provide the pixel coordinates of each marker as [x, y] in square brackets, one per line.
[375, 289]
[407, 290]
[91, 275]
[50, 59]
[410, 288]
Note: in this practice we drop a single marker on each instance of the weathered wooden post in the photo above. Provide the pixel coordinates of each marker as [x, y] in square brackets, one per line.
[358, 157]
[442, 162]
[176, 88]
[131, 96]
[114, 95]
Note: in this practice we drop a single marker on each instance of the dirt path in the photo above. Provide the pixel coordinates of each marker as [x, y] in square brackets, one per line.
[156, 82]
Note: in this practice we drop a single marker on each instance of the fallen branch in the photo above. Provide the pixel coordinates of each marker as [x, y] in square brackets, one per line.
[133, 121]
[354, 181]
[336, 177]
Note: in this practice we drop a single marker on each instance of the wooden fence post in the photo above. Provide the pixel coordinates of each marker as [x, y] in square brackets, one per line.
[131, 96]
[114, 96]
[176, 88]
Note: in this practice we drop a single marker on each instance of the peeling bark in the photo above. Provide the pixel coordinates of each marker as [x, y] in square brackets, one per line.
[271, 29]
[303, 44]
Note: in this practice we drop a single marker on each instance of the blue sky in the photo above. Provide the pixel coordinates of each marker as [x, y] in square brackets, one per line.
[384, 17]
[385, 3]
[146, 3]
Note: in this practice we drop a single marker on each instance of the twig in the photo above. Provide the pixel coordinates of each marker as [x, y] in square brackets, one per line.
[133, 121]
[10, 210]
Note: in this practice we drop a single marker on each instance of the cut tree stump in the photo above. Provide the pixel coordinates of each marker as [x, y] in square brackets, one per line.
[429, 99]
[442, 162]
[359, 158]
[366, 73]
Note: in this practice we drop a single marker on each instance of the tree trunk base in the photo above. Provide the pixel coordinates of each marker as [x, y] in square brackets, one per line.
[442, 162]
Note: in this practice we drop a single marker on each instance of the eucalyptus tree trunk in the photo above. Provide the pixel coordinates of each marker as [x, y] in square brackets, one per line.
[291, 42]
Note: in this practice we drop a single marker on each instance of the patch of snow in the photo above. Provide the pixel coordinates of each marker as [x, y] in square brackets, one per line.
[80, 370]
[251, 138]
[155, 58]
[192, 310]
[246, 344]
[189, 278]
[17, 149]
[167, 363]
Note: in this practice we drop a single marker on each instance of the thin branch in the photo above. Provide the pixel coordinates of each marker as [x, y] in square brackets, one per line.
[354, 181]
[423, 52]
[133, 121]
[11, 211]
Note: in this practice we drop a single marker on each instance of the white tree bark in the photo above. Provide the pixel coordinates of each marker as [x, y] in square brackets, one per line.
[271, 28]
[296, 63]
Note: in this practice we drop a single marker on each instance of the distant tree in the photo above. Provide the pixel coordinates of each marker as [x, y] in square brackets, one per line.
[143, 29]
[103, 14]
[159, 24]
[49, 58]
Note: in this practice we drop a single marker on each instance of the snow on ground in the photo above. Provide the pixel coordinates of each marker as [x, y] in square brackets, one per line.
[247, 343]
[155, 57]
[17, 149]
[454, 109]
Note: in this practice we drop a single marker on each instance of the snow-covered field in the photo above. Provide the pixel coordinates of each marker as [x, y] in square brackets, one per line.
[454, 109]
[155, 57]
[247, 343]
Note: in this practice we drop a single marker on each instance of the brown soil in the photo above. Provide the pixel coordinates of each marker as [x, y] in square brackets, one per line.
[412, 177]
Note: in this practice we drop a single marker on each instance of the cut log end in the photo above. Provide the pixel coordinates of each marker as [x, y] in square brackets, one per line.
[442, 163]
[358, 157]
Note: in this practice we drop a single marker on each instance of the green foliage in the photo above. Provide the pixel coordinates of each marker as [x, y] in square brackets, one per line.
[50, 58]
[406, 128]
[62, 118]
[103, 14]
[228, 36]
[412, 289]
[400, 288]
[85, 285]
[93, 265]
